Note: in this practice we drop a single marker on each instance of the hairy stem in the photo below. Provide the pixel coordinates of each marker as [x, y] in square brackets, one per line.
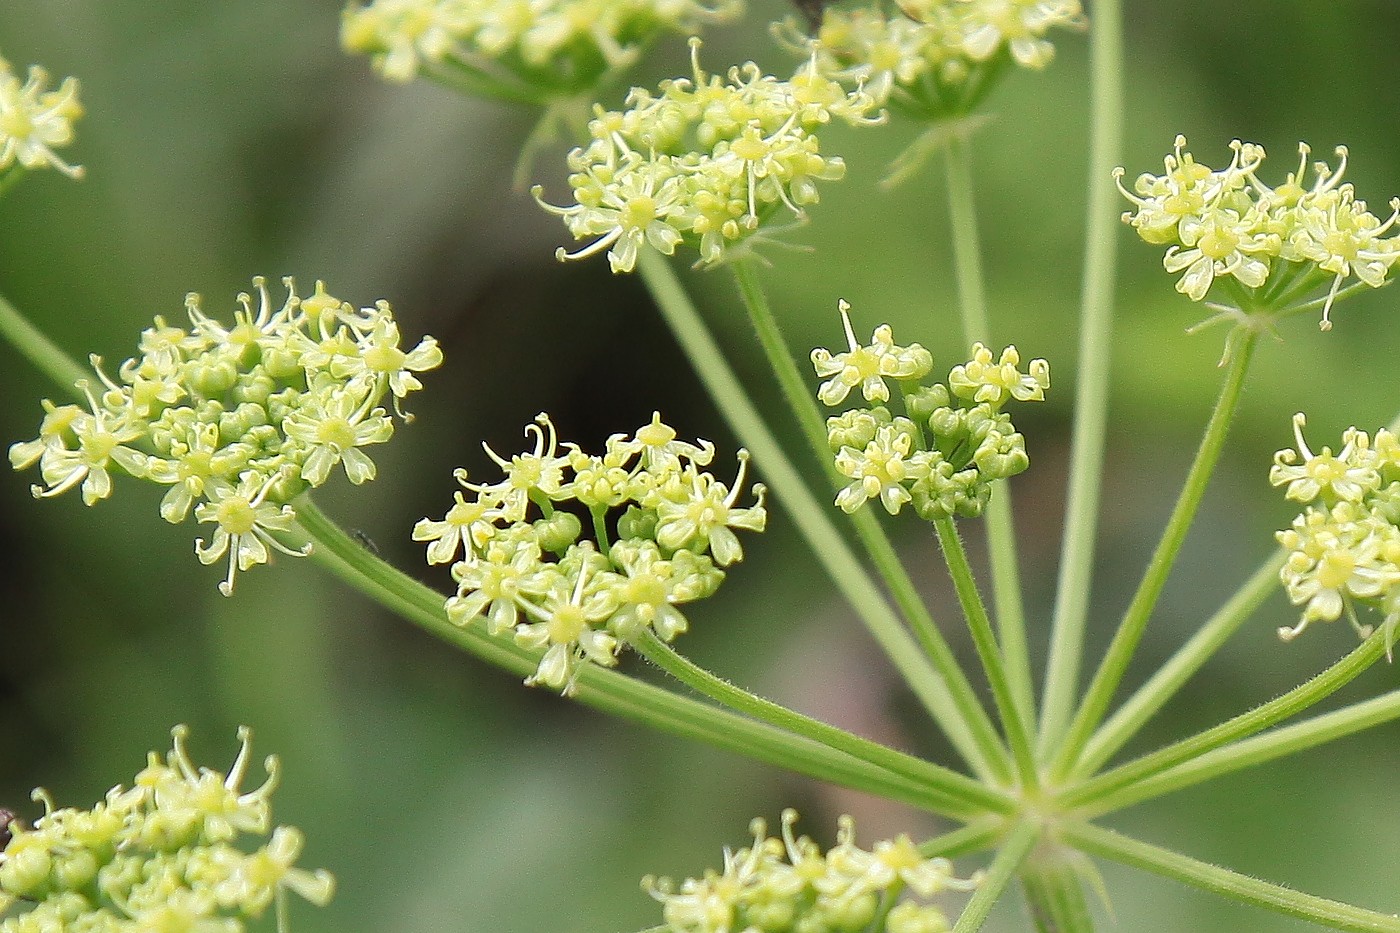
[1289, 740]
[603, 689]
[1003, 868]
[1094, 790]
[1130, 630]
[1163, 685]
[802, 401]
[963, 841]
[1110, 845]
[987, 649]
[1001, 529]
[965, 797]
[967, 726]
[1091, 396]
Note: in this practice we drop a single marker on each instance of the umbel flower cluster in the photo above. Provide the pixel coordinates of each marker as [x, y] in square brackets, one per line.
[35, 121]
[1267, 246]
[704, 162]
[952, 442]
[1344, 548]
[932, 58]
[662, 527]
[786, 883]
[236, 420]
[517, 50]
[169, 853]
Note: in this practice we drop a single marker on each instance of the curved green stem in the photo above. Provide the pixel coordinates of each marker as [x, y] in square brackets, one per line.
[965, 584]
[1278, 743]
[1130, 630]
[1110, 845]
[43, 353]
[965, 797]
[1001, 529]
[1163, 685]
[1091, 396]
[1091, 792]
[603, 689]
[1003, 868]
[942, 691]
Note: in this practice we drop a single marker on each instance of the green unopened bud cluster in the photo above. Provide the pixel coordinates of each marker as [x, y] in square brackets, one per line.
[1344, 549]
[183, 849]
[786, 884]
[239, 420]
[35, 121]
[934, 58]
[953, 441]
[661, 529]
[704, 162]
[540, 50]
[1270, 246]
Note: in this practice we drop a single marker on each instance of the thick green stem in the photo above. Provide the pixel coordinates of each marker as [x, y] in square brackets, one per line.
[1110, 845]
[42, 352]
[965, 584]
[1279, 743]
[1003, 868]
[967, 726]
[603, 689]
[1001, 529]
[1170, 678]
[1091, 792]
[965, 797]
[1130, 630]
[1053, 881]
[1091, 396]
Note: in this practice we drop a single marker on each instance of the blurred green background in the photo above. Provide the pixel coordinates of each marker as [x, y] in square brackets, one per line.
[230, 139]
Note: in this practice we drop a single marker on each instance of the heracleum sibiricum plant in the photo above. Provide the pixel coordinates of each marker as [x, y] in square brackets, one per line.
[568, 557]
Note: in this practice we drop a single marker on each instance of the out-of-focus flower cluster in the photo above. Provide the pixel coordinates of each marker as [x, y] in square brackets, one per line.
[168, 853]
[660, 529]
[1344, 548]
[706, 162]
[236, 420]
[35, 121]
[788, 884]
[933, 58]
[1268, 247]
[953, 441]
[534, 51]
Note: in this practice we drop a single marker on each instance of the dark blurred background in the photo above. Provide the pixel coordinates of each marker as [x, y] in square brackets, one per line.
[225, 140]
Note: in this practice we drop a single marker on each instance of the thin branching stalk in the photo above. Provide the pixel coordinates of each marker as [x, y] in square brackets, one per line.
[1003, 868]
[966, 840]
[1090, 792]
[1279, 743]
[967, 726]
[962, 792]
[42, 352]
[1171, 676]
[803, 404]
[1110, 845]
[1130, 630]
[1091, 396]
[603, 689]
[985, 639]
[976, 327]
